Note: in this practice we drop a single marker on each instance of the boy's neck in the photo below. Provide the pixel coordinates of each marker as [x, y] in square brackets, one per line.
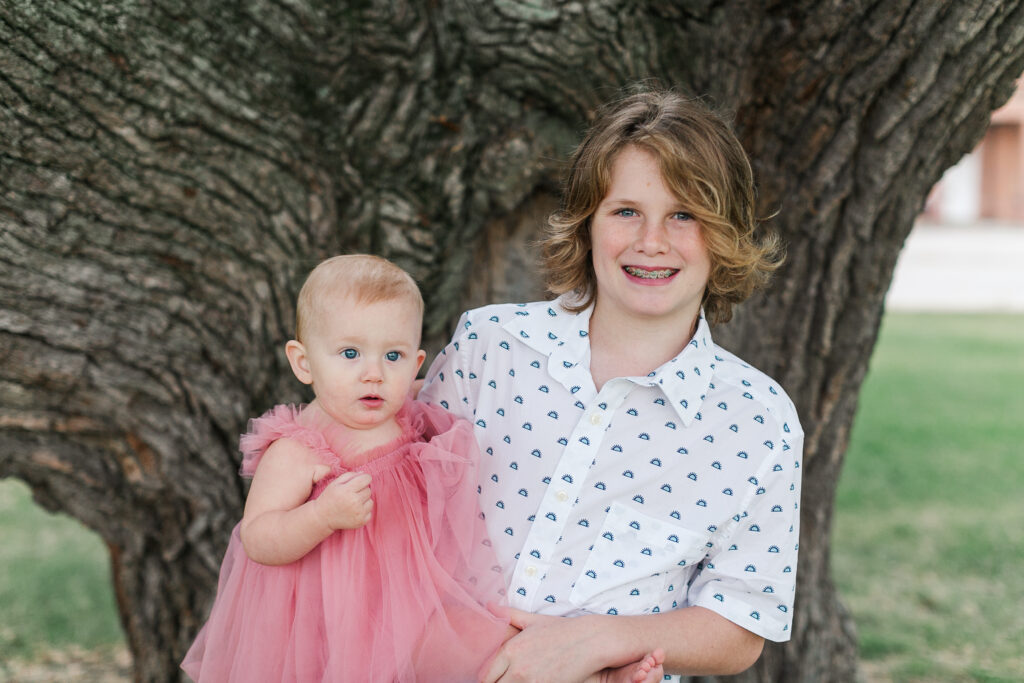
[633, 348]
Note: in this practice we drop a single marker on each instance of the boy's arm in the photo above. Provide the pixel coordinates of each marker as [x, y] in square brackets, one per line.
[695, 640]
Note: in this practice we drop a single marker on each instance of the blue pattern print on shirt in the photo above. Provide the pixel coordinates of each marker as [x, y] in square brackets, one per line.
[671, 480]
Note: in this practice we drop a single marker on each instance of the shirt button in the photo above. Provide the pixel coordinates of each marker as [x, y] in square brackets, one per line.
[531, 571]
[595, 419]
[562, 496]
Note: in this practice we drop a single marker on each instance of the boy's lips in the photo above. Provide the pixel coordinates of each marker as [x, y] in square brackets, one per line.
[650, 273]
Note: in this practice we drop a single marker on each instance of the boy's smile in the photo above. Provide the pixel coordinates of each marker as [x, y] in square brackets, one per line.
[650, 273]
[649, 256]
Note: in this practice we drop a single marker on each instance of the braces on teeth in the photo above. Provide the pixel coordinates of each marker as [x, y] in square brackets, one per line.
[650, 274]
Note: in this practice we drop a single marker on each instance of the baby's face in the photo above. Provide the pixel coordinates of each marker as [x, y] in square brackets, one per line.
[363, 359]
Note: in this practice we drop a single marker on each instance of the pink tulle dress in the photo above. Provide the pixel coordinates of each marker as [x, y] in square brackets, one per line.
[401, 599]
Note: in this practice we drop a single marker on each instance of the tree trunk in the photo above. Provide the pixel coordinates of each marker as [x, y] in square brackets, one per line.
[170, 171]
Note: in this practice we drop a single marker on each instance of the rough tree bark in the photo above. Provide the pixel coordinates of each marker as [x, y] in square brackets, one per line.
[169, 171]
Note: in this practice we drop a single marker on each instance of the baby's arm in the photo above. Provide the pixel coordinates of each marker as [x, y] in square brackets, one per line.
[280, 524]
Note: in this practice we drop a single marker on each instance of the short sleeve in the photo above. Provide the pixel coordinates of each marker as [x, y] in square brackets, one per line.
[750, 576]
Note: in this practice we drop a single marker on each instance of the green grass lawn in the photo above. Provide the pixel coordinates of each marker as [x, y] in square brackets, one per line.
[929, 537]
[928, 543]
[55, 588]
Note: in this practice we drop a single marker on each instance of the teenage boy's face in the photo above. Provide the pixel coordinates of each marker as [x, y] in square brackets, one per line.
[649, 257]
[362, 359]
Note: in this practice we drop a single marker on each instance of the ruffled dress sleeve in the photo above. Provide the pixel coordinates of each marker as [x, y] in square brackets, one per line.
[446, 446]
[449, 458]
[283, 422]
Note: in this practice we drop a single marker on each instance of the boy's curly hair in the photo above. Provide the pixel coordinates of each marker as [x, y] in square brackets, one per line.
[701, 161]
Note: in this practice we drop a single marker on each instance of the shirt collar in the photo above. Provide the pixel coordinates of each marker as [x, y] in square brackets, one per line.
[686, 379]
[552, 331]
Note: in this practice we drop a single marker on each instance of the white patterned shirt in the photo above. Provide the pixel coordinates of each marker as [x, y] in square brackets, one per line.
[675, 489]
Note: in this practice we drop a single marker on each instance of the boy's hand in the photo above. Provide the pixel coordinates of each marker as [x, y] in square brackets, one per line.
[346, 502]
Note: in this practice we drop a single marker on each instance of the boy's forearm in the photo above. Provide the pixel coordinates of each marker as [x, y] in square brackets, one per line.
[696, 641]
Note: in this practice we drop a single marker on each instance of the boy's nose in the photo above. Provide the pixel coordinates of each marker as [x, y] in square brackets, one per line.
[652, 238]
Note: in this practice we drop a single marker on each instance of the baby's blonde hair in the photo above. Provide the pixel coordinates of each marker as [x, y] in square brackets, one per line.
[366, 278]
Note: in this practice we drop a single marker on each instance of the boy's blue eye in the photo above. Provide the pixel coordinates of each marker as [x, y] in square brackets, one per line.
[392, 356]
[350, 353]
[683, 216]
[627, 213]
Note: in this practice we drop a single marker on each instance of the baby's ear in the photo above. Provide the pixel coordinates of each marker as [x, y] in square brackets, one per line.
[421, 355]
[299, 361]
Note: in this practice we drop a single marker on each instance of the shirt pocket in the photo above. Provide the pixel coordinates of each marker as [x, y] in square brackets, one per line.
[631, 561]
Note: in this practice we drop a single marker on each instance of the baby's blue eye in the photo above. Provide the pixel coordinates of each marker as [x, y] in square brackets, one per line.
[392, 356]
[350, 353]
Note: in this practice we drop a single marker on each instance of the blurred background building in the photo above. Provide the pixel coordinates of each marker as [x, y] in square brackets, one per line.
[966, 253]
[988, 183]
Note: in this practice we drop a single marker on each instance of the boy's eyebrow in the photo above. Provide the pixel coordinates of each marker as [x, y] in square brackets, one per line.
[679, 204]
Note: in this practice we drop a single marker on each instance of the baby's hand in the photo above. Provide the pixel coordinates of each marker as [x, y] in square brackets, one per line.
[346, 502]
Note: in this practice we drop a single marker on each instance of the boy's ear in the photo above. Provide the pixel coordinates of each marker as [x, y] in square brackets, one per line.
[297, 358]
[421, 355]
